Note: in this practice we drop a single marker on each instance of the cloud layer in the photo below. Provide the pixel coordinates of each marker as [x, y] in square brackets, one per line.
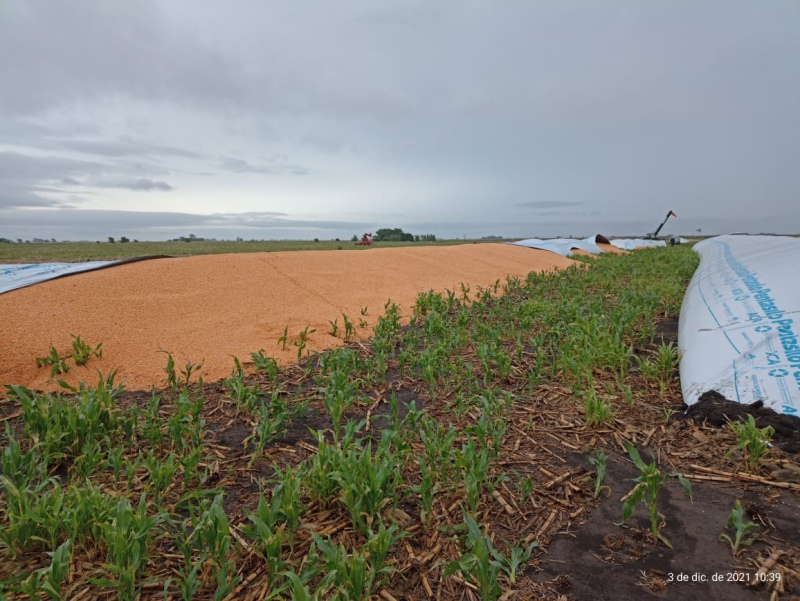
[533, 119]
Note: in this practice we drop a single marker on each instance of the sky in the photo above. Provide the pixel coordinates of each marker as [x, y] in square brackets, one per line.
[259, 119]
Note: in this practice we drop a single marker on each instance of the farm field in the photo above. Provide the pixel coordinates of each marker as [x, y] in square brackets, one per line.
[482, 443]
[105, 251]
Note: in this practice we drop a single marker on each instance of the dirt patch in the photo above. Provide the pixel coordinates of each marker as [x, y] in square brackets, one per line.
[597, 559]
[208, 309]
[716, 410]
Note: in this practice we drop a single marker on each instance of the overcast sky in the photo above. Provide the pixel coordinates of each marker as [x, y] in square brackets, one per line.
[160, 118]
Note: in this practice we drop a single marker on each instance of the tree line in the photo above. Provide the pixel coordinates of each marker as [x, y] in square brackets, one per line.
[396, 234]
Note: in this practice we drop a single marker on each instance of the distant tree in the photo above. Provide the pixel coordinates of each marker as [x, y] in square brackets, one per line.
[5, 241]
[316, 239]
[19, 240]
[123, 240]
[354, 238]
[392, 235]
[111, 239]
[337, 240]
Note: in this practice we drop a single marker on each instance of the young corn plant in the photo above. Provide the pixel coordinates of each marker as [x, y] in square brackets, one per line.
[334, 327]
[82, 352]
[319, 469]
[268, 530]
[53, 576]
[284, 338]
[525, 487]
[273, 419]
[213, 537]
[265, 365]
[173, 379]
[302, 341]
[752, 441]
[58, 365]
[357, 575]
[667, 361]
[650, 481]
[483, 564]
[128, 536]
[598, 410]
[245, 398]
[745, 533]
[349, 328]
[426, 490]
[368, 482]
[599, 463]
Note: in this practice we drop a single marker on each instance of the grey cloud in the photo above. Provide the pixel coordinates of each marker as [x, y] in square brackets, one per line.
[18, 197]
[24, 178]
[276, 166]
[146, 185]
[93, 224]
[121, 147]
[456, 109]
[547, 204]
[98, 51]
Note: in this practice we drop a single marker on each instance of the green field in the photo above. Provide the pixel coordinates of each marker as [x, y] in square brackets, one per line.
[105, 251]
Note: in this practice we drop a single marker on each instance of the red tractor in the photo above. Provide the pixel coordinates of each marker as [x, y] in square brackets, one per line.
[366, 240]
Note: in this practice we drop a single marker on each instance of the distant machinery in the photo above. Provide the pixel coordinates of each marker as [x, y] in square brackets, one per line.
[654, 235]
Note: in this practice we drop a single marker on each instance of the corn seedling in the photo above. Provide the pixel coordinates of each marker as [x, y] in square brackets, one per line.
[359, 575]
[598, 410]
[169, 369]
[213, 538]
[173, 381]
[752, 441]
[667, 361]
[82, 352]
[627, 394]
[52, 577]
[334, 327]
[265, 365]
[273, 419]
[426, 489]
[58, 365]
[474, 465]
[599, 463]
[525, 487]
[268, 530]
[245, 398]
[318, 471]
[479, 566]
[302, 341]
[648, 485]
[160, 473]
[368, 482]
[128, 537]
[284, 338]
[349, 329]
[62, 425]
[744, 531]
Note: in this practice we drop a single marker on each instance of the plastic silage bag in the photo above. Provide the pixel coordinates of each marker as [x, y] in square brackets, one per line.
[739, 328]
